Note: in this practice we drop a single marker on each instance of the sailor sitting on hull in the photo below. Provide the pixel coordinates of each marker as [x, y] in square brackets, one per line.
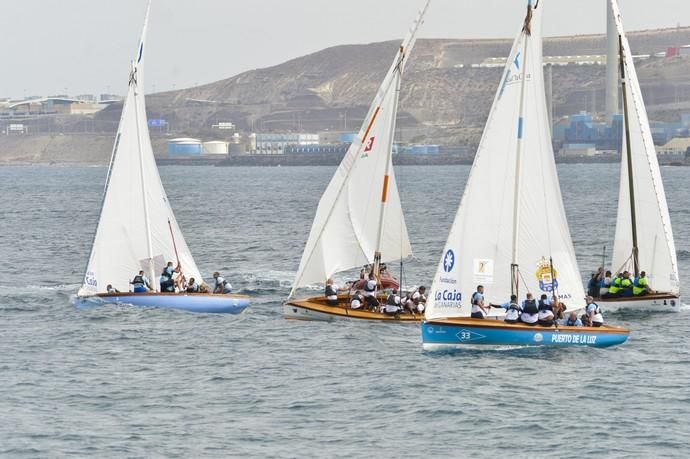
[415, 302]
[641, 285]
[626, 285]
[111, 289]
[545, 314]
[222, 285]
[331, 293]
[193, 286]
[357, 300]
[513, 310]
[370, 291]
[140, 283]
[392, 306]
[604, 285]
[530, 310]
[479, 309]
[593, 312]
[573, 321]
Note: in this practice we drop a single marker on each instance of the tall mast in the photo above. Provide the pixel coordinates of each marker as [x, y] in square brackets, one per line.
[147, 222]
[389, 161]
[519, 148]
[631, 186]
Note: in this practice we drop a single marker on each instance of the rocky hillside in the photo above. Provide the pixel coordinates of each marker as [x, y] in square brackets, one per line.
[443, 96]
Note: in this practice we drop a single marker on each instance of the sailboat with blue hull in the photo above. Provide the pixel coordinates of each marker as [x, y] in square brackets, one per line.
[137, 230]
[510, 233]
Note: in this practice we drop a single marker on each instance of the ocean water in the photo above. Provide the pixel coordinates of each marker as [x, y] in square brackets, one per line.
[128, 382]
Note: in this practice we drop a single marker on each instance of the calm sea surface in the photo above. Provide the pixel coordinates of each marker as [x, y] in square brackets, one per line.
[127, 382]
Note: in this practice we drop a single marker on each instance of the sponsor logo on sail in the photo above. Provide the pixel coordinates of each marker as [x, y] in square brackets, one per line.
[448, 261]
[448, 298]
[90, 279]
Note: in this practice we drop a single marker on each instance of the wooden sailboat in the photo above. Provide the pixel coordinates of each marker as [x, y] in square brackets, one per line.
[137, 229]
[510, 233]
[644, 237]
[359, 219]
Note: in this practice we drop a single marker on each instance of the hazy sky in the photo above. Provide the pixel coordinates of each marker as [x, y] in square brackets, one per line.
[84, 46]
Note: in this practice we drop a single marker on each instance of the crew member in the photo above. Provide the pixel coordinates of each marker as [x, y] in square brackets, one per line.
[140, 283]
[593, 312]
[370, 291]
[545, 312]
[573, 321]
[331, 293]
[221, 285]
[392, 306]
[626, 285]
[530, 310]
[193, 286]
[166, 279]
[604, 285]
[479, 309]
[513, 310]
[641, 285]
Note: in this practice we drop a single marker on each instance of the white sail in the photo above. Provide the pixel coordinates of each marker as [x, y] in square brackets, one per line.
[495, 211]
[656, 247]
[346, 225]
[136, 225]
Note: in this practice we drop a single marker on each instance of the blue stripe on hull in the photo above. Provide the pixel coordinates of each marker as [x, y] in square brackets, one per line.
[227, 304]
[443, 335]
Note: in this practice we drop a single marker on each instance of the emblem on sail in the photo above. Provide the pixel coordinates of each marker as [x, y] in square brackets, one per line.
[483, 271]
[546, 276]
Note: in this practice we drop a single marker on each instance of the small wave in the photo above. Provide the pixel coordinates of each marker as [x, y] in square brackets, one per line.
[23, 288]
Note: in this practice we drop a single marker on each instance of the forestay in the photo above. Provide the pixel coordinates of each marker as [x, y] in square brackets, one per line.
[479, 249]
[347, 221]
[656, 247]
[134, 229]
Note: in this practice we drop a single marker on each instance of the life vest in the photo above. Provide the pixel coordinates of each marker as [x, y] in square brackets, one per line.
[571, 323]
[543, 306]
[138, 280]
[513, 312]
[626, 284]
[194, 288]
[393, 300]
[370, 285]
[615, 286]
[330, 291]
[477, 298]
[640, 285]
[530, 307]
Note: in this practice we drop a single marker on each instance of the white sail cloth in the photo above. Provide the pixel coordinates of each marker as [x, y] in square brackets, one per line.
[346, 225]
[479, 249]
[656, 247]
[133, 231]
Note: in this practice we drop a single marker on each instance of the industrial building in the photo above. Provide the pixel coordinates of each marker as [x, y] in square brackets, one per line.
[275, 144]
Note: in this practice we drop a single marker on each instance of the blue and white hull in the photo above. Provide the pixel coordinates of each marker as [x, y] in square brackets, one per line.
[197, 302]
[458, 333]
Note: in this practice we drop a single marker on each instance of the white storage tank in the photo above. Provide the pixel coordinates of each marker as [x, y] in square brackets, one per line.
[216, 147]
